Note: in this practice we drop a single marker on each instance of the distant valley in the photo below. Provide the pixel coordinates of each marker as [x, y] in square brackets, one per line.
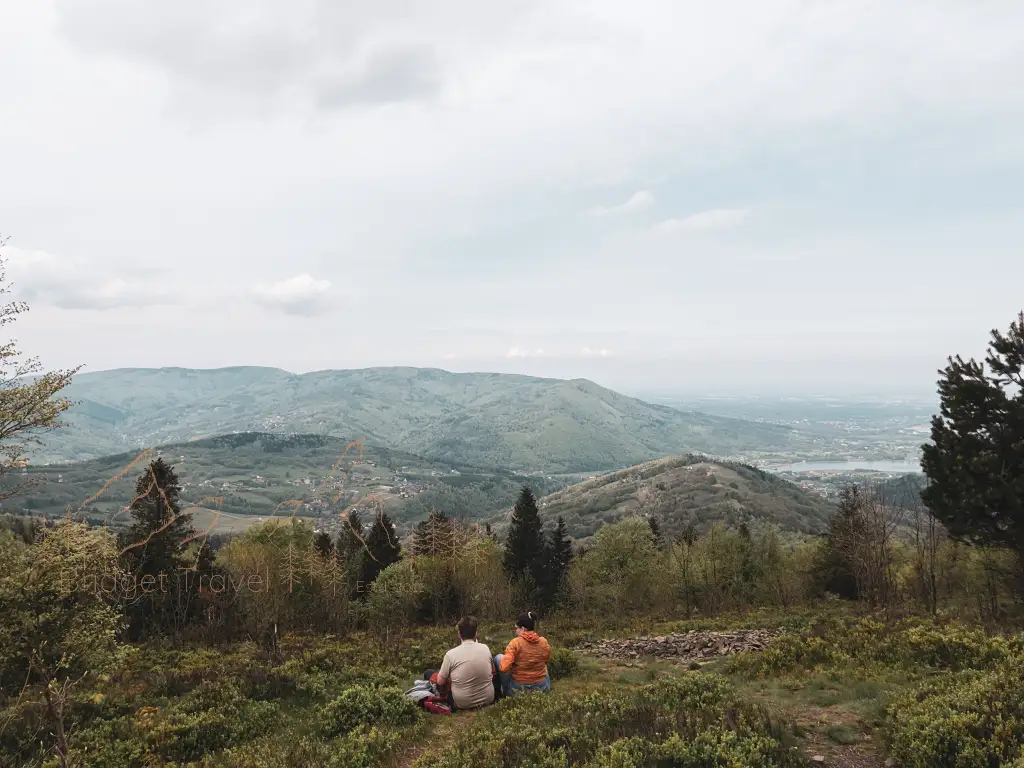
[242, 478]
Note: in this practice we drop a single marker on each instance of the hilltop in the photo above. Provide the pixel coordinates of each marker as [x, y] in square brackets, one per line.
[681, 490]
[522, 423]
[250, 476]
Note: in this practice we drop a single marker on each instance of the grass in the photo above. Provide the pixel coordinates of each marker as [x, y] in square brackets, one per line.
[836, 704]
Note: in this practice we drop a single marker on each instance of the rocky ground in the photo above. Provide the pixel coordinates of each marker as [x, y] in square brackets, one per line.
[689, 646]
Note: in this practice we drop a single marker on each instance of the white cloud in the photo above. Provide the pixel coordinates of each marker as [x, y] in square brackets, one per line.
[718, 218]
[298, 295]
[42, 278]
[449, 356]
[517, 352]
[638, 201]
[588, 352]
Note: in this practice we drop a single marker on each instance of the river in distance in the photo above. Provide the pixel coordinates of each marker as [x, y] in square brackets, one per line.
[846, 466]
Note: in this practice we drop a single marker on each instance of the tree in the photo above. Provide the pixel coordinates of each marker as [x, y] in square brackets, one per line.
[382, 549]
[524, 547]
[435, 536]
[29, 405]
[659, 540]
[975, 464]
[153, 550]
[323, 544]
[57, 628]
[558, 557]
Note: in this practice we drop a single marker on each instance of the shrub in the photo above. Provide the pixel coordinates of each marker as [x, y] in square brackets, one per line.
[976, 719]
[671, 721]
[564, 662]
[365, 705]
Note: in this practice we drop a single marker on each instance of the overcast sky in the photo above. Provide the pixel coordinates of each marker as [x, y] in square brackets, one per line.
[731, 196]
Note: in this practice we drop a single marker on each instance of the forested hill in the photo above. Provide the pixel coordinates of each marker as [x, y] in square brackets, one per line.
[252, 475]
[681, 491]
[521, 423]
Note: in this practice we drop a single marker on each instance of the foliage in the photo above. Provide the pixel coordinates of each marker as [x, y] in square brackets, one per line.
[689, 719]
[29, 401]
[975, 464]
[524, 544]
[976, 720]
[57, 632]
[365, 705]
[564, 662]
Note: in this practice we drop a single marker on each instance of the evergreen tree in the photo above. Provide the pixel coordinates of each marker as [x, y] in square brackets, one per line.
[489, 533]
[323, 545]
[350, 536]
[558, 551]
[154, 542]
[435, 536]
[524, 547]
[975, 465]
[834, 569]
[153, 550]
[382, 549]
[659, 540]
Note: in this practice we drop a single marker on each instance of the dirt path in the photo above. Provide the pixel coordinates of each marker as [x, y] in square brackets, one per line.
[440, 729]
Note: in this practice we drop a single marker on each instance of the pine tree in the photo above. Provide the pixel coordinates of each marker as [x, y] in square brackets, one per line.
[350, 536]
[153, 549]
[323, 545]
[524, 547]
[975, 465]
[382, 549]
[659, 540]
[435, 536]
[558, 551]
[154, 542]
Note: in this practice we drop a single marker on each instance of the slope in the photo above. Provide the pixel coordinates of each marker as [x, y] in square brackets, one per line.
[523, 423]
[680, 491]
[247, 476]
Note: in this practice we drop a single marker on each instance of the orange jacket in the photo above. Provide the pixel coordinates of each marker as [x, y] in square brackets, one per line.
[527, 657]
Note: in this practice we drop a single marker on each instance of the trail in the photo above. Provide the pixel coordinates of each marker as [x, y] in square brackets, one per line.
[440, 729]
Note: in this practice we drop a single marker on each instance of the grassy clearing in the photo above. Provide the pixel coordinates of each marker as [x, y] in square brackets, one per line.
[856, 691]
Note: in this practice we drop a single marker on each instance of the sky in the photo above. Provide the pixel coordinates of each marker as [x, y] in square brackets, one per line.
[746, 196]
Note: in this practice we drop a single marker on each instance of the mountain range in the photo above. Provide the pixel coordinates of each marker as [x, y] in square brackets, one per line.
[518, 423]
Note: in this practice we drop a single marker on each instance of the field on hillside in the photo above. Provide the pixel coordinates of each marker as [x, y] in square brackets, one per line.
[854, 691]
[682, 491]
[252, 476]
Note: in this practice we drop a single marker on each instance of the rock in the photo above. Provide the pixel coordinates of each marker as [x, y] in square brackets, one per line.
[685, 647]
[818, 758]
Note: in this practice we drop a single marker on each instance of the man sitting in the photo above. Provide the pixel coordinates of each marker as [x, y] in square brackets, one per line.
[467, 672]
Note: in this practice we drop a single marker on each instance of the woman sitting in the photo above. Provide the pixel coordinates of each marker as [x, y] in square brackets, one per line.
[524, 664]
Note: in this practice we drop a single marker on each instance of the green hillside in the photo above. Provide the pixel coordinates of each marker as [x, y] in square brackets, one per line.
[682, 490]
[250, 476]
[521, 423]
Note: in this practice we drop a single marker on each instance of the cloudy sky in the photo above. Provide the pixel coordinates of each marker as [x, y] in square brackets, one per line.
[738, 196]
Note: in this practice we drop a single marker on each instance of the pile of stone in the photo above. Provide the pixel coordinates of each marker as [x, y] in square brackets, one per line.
[690, 646]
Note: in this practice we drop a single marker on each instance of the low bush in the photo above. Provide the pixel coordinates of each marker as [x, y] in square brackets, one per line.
[365, 705]
[670, 722]
[564, 662]
[976, 719]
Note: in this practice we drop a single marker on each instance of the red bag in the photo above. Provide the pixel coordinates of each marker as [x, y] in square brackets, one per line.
[436, 705]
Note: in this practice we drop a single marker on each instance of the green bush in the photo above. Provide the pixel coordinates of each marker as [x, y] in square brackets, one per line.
[672, 722]
[364, 747]
[975, 719]
[365, 705]
[564, 662]
[210, 718]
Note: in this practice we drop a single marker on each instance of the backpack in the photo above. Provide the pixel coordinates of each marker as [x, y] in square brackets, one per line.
[436, 705]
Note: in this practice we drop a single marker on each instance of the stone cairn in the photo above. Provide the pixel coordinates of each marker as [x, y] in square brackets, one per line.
[688, 647]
